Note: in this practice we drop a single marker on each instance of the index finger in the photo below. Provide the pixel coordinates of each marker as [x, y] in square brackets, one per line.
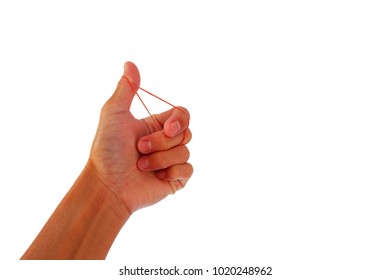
[173, 121]
[177, 123]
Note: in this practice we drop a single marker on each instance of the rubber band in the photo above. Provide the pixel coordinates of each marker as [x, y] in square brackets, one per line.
[170, 104]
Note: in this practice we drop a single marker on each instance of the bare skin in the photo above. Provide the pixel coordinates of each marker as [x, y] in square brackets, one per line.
[133, 164]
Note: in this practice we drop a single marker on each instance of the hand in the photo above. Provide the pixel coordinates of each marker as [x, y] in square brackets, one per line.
[141, 161]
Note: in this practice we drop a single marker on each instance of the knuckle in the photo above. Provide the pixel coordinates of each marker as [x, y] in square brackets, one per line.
[147, 125]
[164, 142]
[159, 161]
[186, 153]
[190, 169]
[188, 136]
[105, 107]
[183, 110]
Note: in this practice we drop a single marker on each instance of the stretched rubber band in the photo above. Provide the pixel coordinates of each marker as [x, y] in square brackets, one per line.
[170, 104]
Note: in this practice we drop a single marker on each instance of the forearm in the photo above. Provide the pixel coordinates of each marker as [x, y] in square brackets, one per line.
[84, 225]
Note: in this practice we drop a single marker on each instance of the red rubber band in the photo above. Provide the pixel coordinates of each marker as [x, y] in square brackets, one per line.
[159, 98]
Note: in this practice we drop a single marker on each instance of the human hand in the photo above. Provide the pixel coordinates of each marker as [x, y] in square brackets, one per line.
[140, 161]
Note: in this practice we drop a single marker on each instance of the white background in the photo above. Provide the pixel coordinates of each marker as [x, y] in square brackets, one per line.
[290, 118]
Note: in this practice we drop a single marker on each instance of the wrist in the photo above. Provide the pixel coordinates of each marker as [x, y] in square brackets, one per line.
[99, 214]
[85, 223]
[106, 197]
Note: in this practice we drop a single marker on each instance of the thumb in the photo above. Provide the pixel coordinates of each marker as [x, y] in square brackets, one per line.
[126, 89]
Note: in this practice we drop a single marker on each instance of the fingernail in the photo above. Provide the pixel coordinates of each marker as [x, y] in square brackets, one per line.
[161, 174]
[143, 164]
[183, 181]
[145, 146]
[175, 127]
